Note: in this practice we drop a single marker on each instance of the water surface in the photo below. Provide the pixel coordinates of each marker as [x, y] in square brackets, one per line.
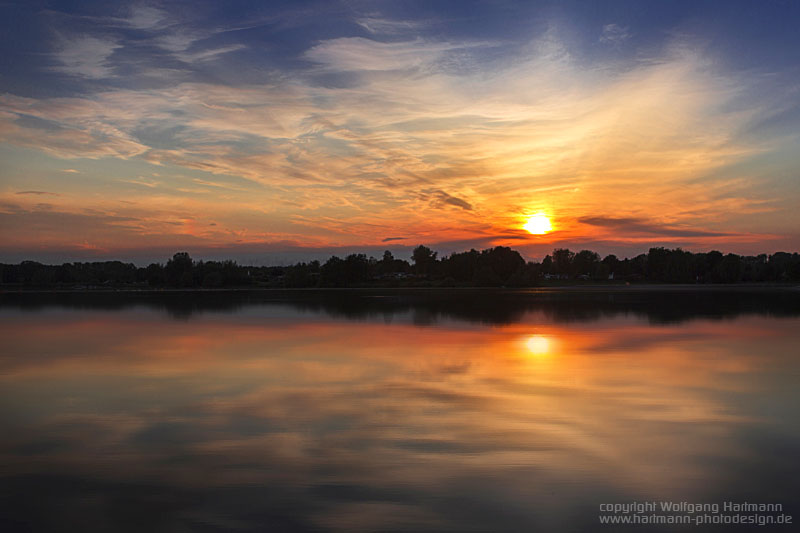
[392, 410]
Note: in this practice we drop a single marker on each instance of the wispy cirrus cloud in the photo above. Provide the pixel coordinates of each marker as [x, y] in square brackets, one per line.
[146, 17]
[378, 25]
[208, 54]
[614, 34]
[85, 56]
[357, 54]
[418, 137]
[146, 45]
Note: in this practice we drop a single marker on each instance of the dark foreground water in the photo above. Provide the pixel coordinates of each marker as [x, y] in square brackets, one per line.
[381, 410]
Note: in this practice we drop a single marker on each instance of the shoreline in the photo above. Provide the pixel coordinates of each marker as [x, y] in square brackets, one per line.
[639, 287]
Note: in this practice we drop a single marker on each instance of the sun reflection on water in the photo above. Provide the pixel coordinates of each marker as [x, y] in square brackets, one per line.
[237, 404]
[538, 344]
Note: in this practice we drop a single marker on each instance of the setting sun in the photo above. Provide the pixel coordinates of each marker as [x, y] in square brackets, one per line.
[538, 224]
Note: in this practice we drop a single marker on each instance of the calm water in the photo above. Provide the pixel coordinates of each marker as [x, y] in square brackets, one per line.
[381, 410]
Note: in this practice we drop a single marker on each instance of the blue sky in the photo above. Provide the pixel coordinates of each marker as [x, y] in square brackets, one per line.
[271, 131]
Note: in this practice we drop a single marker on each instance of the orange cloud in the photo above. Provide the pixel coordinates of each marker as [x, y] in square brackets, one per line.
[417, 146]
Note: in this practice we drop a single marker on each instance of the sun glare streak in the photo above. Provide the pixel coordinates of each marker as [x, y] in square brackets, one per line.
[538, 224]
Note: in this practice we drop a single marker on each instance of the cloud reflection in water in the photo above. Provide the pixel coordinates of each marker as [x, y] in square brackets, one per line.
[256, 418]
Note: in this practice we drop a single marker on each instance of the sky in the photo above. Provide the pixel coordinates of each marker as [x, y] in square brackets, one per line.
[272, 132]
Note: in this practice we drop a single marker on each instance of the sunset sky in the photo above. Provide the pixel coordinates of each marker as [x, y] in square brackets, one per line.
[270, 132]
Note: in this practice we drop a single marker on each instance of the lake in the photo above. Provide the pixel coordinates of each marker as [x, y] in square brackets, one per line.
[396, 410]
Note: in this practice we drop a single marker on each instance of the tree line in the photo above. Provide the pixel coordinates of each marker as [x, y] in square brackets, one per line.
[494, 267]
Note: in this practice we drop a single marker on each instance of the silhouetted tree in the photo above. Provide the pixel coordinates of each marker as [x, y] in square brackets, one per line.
[497, 265]
[562, 261]
[729, 270]
[424, 260]
[386, 265]
[302, 275]
[461, 267]
[332, 273]
[491, 267]
[178, 271]
[585, 262]
[547, 265]
[356, 269]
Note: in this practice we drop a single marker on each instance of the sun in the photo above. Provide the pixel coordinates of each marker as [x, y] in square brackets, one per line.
[538, 224]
